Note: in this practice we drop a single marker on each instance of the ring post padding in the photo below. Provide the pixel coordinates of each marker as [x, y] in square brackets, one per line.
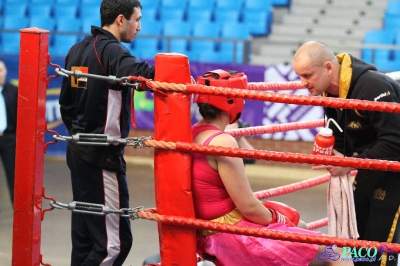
[172, 169]
[29, 158]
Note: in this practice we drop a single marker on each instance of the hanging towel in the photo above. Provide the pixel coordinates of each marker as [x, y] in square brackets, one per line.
[341, 210]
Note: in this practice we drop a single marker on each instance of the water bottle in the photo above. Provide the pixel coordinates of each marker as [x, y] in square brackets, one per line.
[324, 140]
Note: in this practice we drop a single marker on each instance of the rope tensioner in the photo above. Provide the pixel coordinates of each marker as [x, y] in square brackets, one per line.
[125, 81]
[103, 140]
[97, 209]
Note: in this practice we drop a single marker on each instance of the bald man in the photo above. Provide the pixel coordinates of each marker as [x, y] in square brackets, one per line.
[366, 134]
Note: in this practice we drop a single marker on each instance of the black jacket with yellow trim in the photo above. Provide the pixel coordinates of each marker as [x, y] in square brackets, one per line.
[370, 134]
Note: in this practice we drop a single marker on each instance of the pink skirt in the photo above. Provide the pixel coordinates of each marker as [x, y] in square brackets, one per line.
[240, 250]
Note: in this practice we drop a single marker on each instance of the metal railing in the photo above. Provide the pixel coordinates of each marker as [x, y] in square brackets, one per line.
[246, 44]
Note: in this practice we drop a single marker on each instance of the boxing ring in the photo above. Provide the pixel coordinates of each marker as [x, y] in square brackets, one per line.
[173, 146]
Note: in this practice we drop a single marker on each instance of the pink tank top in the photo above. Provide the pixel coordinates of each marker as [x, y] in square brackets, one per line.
[211, 200]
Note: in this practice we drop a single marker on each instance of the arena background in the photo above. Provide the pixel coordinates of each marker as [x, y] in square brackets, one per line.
[336, 23]
[365, 29]
[256, 113]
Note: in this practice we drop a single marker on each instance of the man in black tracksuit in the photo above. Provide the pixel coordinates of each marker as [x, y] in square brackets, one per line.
[90, 105]
[366, 134]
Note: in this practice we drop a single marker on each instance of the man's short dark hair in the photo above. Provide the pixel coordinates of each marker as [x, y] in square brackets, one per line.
[111, 9]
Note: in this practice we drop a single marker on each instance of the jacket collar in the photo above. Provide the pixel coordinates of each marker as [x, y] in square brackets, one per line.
[96, 31]
[346, 71]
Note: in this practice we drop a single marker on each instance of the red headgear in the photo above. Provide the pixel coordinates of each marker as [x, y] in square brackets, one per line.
[222, 78]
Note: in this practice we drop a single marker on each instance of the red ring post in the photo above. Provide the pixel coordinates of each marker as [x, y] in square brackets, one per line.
[172, 169]
[31, 125]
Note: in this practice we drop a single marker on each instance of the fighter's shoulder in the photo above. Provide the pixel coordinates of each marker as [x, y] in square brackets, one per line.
[225, 140]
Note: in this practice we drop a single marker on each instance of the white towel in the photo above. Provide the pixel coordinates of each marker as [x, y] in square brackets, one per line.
[341, 211]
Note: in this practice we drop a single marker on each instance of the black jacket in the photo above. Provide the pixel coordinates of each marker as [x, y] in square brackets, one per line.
[90, 105]
[371, 134]
[10, 94]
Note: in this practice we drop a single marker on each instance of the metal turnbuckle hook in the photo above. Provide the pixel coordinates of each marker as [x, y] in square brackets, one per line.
[138, 142]
[131, 213]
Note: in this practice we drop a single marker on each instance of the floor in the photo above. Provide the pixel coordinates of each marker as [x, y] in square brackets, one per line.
[55, 242]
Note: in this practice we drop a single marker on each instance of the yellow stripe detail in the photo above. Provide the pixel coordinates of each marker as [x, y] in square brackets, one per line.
[391, 235]
[230, 218]
[55, 91]
[54, 124]
[346, 71]
[359, 114]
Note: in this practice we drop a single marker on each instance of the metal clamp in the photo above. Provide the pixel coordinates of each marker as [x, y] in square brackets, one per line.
[91, 139]
[103, 140]
[138, 142]
[131, 213]
[97, 209]
[124, 81]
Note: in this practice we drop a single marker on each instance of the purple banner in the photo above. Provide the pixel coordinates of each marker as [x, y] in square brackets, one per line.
[258, 113]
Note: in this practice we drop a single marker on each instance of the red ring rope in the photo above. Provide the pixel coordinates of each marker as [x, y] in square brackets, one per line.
[261, 86]
[265, 233]
[250, 131]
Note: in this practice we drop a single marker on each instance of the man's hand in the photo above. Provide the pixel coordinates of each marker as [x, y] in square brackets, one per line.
[334, 170]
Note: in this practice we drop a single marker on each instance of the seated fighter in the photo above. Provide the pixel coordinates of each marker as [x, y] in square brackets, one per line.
[222, 193]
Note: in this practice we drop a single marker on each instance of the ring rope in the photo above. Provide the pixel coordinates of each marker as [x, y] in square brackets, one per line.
[372, 164]
[258, 130]
[289, 85]
[290, 188]
[297, 99]
[317, 224]
[282, 190]
[261, 86]
[150, 214]
[246, 93]
[277, 97]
